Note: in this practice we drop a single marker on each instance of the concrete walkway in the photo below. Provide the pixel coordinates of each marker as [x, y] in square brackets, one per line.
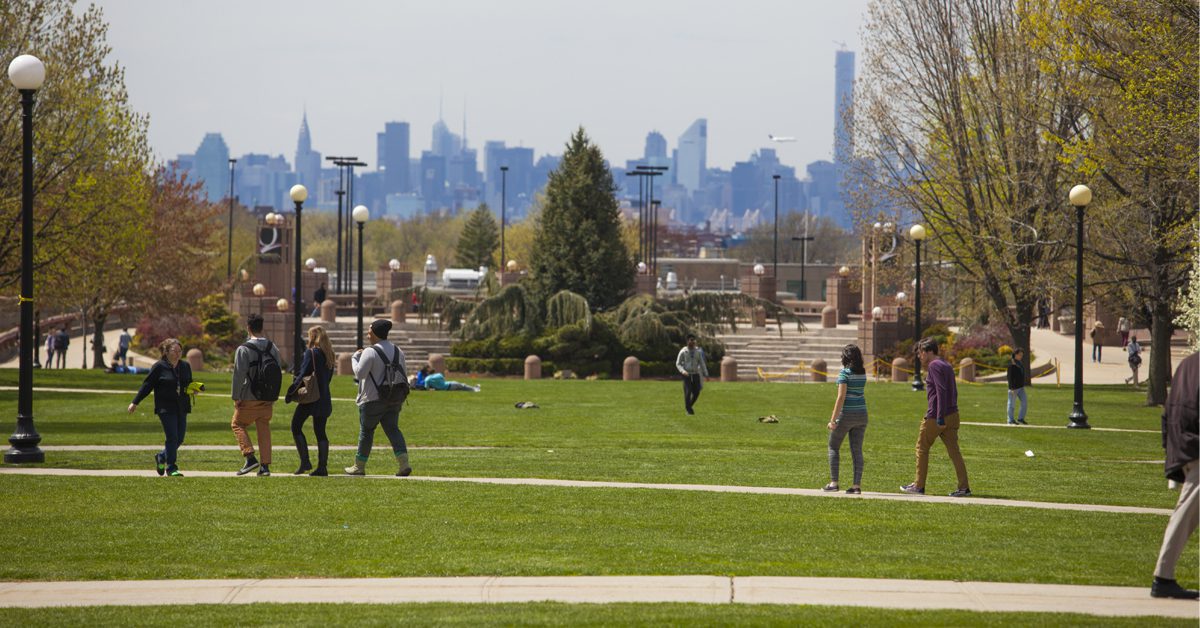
[706, 488]
[1047, 345]
[903, 594]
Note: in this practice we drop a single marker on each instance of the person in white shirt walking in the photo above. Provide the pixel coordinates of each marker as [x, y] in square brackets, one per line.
[691, 365]
[369, 370]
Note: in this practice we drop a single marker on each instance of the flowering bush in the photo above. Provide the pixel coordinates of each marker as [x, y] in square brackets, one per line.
[153, 330]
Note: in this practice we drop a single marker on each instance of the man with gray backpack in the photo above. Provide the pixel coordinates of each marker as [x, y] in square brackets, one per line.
[382, 389]
[257, 377]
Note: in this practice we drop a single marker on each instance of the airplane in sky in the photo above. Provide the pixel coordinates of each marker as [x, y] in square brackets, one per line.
[780, 138]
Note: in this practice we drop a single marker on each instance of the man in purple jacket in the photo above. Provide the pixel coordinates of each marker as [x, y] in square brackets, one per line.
[941, 419]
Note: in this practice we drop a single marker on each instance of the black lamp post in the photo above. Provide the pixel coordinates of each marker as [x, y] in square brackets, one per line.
[298, 193]
[803, 240]
[229, 250]
[350, 203]
[361, 213]
[340, 162]
[654, 205]
[503, 211]
[917, 233]
[775, 238]
[27, 74]
[1079, 196]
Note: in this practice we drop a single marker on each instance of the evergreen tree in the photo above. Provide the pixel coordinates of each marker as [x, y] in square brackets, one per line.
[577, 245]
[479, 240]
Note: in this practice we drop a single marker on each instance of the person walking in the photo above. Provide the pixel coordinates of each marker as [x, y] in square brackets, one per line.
[168, 379]
[123, 343]
[849, 417]
[1135, 359]
[370, 369]
[1181, 440]
[256, 379]
[1097, 335]
[1123, 329]
[691, 365]
[50, 350]
[941, 420]
[318, 299]
[317, 362]
[1016, 387]
[62, 340]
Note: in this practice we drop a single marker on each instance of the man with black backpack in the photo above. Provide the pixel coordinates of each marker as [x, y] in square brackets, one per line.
[382, 388]
[257, 377]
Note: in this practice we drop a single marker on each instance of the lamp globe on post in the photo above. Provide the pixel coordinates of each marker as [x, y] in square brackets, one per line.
[394, 264]
[512, 266]
[27, 73]
[299, 194]
[259, 289]
[759, 269]
[918, 234]
[1079, 196]
[310, 263]
[360, 214]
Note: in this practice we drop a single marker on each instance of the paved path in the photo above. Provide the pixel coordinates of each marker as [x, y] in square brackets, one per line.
[706, 488]
[905, 594]
[1056, 427]
[187, 448]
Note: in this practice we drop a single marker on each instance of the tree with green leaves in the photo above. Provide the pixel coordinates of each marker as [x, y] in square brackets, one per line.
[478, 241]
[578, 244]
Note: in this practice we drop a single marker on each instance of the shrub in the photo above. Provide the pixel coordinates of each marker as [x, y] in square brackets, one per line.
[153, 330]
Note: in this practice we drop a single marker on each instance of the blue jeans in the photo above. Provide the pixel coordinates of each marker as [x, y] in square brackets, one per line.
[174, 428]
[373, 414]
[1013, 396]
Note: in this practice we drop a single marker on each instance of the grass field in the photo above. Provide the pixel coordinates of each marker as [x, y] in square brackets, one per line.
[120, 528]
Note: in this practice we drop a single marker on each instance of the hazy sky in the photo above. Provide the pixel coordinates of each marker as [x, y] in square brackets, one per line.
[529, 72]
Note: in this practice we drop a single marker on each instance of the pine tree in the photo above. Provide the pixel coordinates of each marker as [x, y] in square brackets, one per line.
[478, 241]
[578, 244]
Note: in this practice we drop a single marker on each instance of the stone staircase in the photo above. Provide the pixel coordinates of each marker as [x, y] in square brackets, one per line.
[766, 348]
[415, 340]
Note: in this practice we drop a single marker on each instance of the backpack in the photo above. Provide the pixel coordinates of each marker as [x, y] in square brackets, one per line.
[267, 378]
[393, 388]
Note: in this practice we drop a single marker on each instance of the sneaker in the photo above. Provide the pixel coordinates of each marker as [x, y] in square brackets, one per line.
[854, 491]
[912, 489]
[357, 469]
[1022, 422]
[160, 463]
[174, 473]
[830, 488]
[962, 492]
[1012, 422]
[691, 411]
[251, 464]
[1164, 588]
[264, 471]
[405, 472]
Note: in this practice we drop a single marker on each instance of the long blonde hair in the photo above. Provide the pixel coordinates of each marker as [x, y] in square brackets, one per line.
[318, 338]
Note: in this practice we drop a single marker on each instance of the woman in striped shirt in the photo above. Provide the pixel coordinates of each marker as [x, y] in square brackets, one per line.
[849, 417]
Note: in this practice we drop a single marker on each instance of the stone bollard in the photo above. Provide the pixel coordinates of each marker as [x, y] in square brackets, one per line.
[828, 317]
[819, 367]
[437, 362]
[899, 375]
[399, 311]
[760, 316]
[533, 367]
[195, 358]
[631, 370]
[967, 370]
[343, 361]
[729, 369]
[328, 311]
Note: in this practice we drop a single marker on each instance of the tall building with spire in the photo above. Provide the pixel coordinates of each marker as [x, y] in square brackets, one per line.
[308, 161]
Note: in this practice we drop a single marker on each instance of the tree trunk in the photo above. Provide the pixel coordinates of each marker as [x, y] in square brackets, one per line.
[1019, 329]
[98, 348]
[1161, 330]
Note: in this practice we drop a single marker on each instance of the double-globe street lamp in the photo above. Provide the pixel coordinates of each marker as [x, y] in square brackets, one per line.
[1079, 196]
[917, 233]
[27, 74]
[298, 193]
[361, 214]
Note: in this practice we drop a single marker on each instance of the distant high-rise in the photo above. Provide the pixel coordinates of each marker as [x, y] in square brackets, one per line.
[445, 142]
[691, 158]
[656, 146]
[392, 155]
[308, 161]
[212, 166]
[433, 180]
[843, 94]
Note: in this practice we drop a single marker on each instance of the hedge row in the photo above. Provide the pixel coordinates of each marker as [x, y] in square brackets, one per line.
[516, 366]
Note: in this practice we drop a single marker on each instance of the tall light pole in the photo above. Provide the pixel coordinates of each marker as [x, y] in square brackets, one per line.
[775, 239]
[350, 203]
[803, 240]
[1079, 196]
[641, 211]
[361, 214]
[654, 205]
[341, 191]
[917, 233]
[503, 212]
[298, 193]
[27, 74]
[229, 252]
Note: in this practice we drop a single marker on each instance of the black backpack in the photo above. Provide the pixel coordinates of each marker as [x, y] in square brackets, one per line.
[393, 388]
[266, 378]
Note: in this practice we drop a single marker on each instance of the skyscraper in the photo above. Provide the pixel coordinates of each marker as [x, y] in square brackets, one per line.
[308, 161]
[691, 158]
[392, 150]
[656, 145]
[212, 166]
[843, 94]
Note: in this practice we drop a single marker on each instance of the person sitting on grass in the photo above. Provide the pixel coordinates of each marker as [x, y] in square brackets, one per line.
[437, 381]
[417, 382]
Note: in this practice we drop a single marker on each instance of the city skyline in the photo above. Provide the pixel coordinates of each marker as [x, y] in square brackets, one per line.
[606, 78]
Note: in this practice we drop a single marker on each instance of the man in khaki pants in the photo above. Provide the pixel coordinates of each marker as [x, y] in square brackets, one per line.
[941, 420]
[248, 409]
[1181, 440]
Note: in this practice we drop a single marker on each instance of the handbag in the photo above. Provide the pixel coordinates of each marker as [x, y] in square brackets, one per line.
[309, 390]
